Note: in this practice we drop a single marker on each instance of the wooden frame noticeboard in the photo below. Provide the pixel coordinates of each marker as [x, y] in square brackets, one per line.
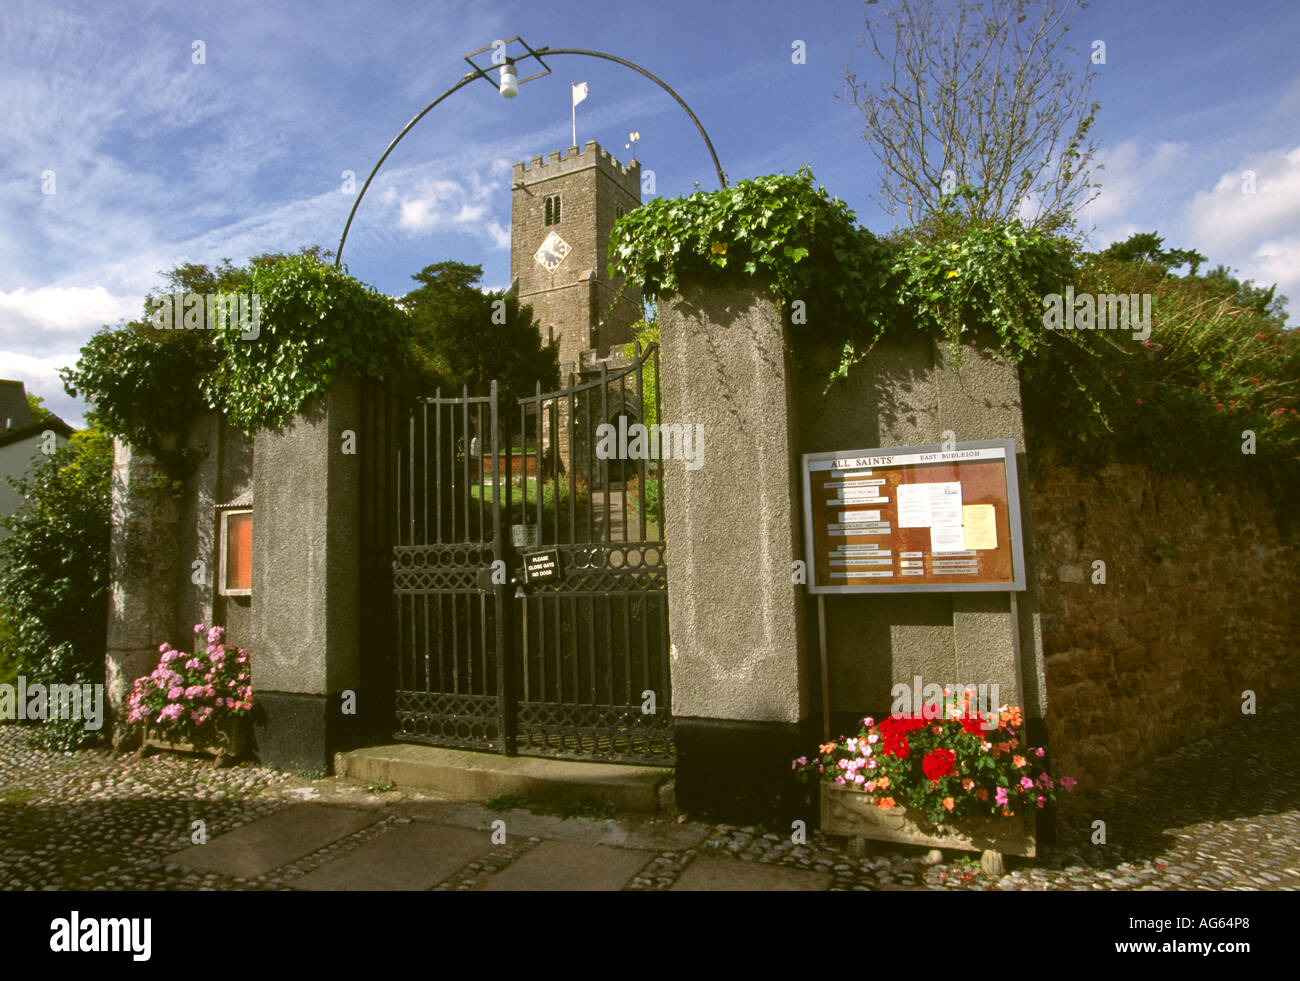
[914, 519]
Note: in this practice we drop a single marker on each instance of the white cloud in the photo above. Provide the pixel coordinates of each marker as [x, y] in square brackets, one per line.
[40, 377]
[1253, 232]
[33, 320]
[445, 203]
[1130, 175]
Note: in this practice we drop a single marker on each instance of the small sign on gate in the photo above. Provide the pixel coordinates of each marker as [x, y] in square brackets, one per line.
[543, 566]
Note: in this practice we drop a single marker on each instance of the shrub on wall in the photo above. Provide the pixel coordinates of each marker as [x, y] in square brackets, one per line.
[313, 324]
[1216, 386]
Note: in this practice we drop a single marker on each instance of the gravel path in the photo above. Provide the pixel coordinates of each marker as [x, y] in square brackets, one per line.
[1221, 814]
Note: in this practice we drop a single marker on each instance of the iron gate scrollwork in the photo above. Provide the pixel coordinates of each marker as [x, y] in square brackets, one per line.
[575, 666]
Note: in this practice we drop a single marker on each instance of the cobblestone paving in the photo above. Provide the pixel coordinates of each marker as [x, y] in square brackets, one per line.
[1220, 814]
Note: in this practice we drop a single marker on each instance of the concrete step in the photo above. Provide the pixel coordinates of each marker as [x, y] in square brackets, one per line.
[458, 774]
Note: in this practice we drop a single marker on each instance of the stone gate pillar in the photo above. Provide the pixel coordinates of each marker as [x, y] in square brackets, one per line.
[306, 581]
[740, 684]
[142, 576]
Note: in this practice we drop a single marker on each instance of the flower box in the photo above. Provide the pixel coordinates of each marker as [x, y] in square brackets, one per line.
[850, 812]
[225, 740]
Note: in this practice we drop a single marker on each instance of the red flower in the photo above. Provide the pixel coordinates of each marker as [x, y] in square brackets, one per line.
[938, 763]
[894, 730]
[974, 725]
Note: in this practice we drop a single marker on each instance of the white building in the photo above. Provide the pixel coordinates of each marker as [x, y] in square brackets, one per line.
[22, 437]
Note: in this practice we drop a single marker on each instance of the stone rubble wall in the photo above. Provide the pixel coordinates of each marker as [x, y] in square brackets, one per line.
[1198, 606]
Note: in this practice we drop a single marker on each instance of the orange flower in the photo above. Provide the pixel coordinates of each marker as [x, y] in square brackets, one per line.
[1004, 747]
[828, 748]
[949, 803]
[885, 802]
[982, 794]
[1018, 761]
[967, 783]
[883, 783]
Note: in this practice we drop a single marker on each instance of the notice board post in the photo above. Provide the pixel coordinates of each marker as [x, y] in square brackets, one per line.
[914, 519]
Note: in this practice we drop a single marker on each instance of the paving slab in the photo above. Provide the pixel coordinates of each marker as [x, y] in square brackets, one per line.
[709, 873]
[411, 856]
[266, 844]
[567, 866]
[466, 775]
[626, 831]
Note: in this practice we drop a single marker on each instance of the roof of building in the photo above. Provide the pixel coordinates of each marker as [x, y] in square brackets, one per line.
[17, 422]
[34, 429]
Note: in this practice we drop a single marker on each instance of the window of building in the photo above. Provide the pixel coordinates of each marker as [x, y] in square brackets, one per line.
[235, 571]
[552, 209]
[618, 212]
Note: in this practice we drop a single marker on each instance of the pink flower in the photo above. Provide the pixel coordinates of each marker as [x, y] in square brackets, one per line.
[1068, 782]
[1001, 796]
[1026, 783]
[839, 781]
[198, 628]
[868, 721]
[192, 663]
[1040, 751]
[174, 694]
[1041, 801]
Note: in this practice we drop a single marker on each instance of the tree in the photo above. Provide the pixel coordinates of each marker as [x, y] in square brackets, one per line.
[35, 403]
[463, 336]
[145, 384]
[980, 110]
[54, 573]
[1145, 247]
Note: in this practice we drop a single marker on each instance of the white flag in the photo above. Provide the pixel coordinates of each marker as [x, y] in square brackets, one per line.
[579, 92]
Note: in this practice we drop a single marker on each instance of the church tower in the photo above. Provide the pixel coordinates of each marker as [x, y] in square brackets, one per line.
[562, 211]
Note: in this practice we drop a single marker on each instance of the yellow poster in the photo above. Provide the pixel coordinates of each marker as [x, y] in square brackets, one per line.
[980, 526]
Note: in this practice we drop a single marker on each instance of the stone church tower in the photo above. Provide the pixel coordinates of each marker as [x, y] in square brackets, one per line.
[562, 211]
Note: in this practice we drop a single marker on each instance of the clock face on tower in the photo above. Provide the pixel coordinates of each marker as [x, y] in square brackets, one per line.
[552, 252]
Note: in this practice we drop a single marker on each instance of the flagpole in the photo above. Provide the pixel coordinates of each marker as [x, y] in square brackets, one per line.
[575, 123]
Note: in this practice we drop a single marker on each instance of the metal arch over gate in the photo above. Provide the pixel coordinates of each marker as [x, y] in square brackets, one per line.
[572, 660]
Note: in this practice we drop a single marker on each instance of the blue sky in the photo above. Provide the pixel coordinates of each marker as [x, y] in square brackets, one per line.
[157, 160]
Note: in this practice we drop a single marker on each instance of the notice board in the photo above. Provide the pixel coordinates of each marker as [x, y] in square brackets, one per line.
[914, 519]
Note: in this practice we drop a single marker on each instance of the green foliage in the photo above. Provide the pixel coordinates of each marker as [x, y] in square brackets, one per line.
[1180, 401]
[587, 807]
[981, 277]
[465, 337]
[650, 488]
[947, 277]
[38, 411]
[54, 573]
[780, 228]
[1218, 363]
[144, 385]
[1145, 247]
[317, 324]
[645, 333]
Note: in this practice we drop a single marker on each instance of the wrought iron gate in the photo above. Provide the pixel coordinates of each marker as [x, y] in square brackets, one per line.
[576, 665]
